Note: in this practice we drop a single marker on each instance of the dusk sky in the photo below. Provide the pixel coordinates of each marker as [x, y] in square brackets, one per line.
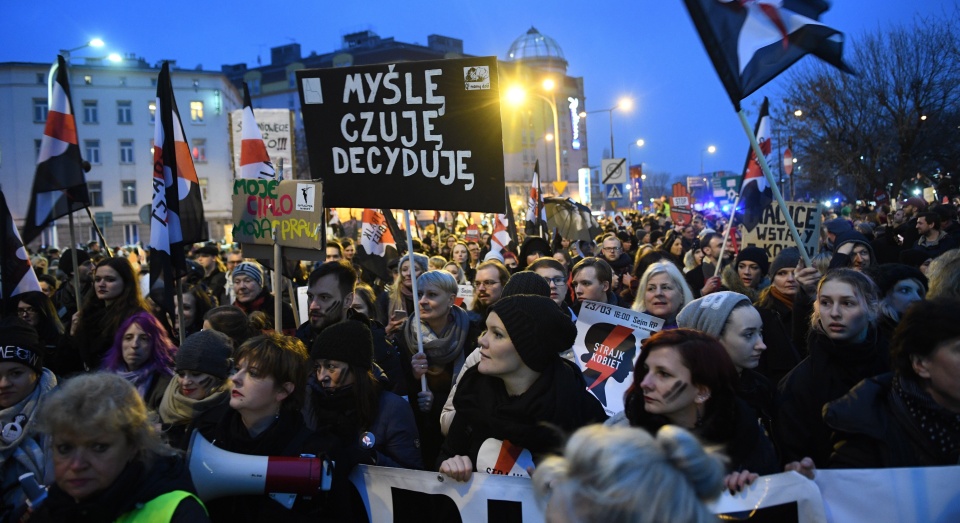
[646, 50]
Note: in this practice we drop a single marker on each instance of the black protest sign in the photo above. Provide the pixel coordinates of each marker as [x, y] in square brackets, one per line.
[411, 135]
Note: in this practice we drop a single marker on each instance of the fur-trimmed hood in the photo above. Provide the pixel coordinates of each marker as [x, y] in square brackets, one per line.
[731, 281]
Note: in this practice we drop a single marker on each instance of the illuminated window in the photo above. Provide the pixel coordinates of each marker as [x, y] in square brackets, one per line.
[203, 188]
[88, 80]
[199, 150]
[152, 108]
[196, 112]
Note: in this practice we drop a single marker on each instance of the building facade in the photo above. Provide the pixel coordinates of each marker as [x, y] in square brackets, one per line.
[114, 107]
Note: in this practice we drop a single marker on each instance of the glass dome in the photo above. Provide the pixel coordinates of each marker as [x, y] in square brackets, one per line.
[537, 46]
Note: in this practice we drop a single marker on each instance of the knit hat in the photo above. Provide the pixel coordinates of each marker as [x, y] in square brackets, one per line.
[526, 282]
[494, 255]
[348, 341]
[786, 258]
[756, 255]
[838, 226]
[854, 237]
[889, 274]
[19, 343]
[66, 260]
[709, 314]
[538, 328]
[207, 351]
[251, 269]
[917, 202]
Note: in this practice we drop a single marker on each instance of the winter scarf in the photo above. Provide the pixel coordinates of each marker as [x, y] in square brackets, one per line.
[335, 410]
[20, 452]
[940, 426]
[783, 298]
[440, 348]
[538, 419]
[141, 379]
[177, 409]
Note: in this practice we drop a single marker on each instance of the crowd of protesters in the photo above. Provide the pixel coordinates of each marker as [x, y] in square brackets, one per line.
[852, 362]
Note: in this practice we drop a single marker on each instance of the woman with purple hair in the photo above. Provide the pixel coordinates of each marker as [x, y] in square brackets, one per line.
[143, 354]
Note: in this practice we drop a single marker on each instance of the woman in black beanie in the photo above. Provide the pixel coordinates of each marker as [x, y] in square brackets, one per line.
[522, 396]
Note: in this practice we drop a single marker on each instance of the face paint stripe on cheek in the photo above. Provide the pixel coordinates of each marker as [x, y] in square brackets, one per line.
[675, 391]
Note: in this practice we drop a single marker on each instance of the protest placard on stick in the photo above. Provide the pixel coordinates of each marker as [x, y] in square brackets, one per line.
[607, 347]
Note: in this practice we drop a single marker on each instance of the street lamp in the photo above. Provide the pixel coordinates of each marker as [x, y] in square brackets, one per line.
[96, 42]
[711, 149]
[516, 96]
[638, 144]
[625, 104]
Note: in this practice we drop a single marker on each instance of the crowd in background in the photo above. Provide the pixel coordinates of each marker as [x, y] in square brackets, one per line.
[851, 362]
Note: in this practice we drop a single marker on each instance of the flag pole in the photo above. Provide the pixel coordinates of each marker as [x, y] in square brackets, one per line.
[73, 254]
[277, 274]
[726, 235]
[96, 227]
[762, 160]
[182, 328]
[416, 301]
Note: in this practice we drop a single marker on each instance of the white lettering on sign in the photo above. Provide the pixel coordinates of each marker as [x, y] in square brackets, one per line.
[402, 156]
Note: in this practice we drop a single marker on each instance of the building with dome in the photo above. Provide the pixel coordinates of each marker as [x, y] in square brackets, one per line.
[528, 127]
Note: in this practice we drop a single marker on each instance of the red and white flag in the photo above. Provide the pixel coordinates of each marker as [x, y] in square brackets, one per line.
[177, 206]
[59, 187]
[536, 220]
[254, 160]
[15, 271]
[377, 245]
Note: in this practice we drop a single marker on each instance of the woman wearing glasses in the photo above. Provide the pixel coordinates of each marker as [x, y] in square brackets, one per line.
[37, 309]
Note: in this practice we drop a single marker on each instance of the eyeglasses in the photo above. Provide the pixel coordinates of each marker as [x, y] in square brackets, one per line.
[558, 281]
[26, 311]
[611, 249]
[485, 283]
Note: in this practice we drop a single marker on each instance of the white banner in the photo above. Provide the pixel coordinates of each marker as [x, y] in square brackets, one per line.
[907, 495]
[607, 346]
[278, 136]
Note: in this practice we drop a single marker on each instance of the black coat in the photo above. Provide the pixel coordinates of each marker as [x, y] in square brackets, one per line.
[828, 373]
[538, 420]
[135, 485]
[874, 430]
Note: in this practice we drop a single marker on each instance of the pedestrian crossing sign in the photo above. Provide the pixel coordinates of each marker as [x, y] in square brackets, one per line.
[615, 193]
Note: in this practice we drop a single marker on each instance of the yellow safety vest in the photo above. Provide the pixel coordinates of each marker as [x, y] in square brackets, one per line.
[159, 509]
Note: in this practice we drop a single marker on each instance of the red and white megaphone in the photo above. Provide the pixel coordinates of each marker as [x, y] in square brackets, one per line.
[217, 473]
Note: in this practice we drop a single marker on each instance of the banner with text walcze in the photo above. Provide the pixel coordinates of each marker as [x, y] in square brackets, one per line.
[607, 347]
[772, 234]
[411, 135]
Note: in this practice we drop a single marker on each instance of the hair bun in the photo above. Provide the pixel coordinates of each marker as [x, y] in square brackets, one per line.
[703, 469]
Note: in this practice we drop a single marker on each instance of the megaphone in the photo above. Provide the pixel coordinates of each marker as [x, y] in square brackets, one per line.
[217, 473]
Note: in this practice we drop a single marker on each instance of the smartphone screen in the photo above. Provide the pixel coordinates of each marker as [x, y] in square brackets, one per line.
[399, 314]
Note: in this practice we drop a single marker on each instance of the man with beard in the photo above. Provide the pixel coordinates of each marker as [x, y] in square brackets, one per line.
[66, 297]
[330, 296]
[488, 285]
[908, 229]
[620, 262]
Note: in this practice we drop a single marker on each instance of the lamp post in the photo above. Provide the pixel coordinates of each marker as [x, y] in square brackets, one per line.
[638, 144]
[624, 104]
[711, 149]
[516, 95]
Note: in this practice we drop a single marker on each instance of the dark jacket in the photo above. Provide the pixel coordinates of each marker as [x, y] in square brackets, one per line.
[265, 304]
[781, 355]
[137, 484]
[538, 420]
[826, 374]
[288, 436]
[396, 439]
[873, 429]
